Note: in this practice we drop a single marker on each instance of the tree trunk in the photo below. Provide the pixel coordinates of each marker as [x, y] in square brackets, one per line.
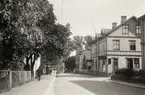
[32, 64]
[27, 66]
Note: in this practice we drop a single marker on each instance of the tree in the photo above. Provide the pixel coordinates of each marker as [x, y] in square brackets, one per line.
[56, 45]
[28, 29]
[78, 41]
[70, 63]
[87, 40]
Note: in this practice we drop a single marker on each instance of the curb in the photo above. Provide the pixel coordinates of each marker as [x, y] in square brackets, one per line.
[129, 84]
[49, 90]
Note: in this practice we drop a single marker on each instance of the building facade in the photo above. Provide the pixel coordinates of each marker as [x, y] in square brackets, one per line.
[83, 59]
[142, 21]
[119, 47]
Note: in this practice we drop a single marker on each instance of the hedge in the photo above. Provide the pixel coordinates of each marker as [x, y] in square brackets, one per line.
[129, 73]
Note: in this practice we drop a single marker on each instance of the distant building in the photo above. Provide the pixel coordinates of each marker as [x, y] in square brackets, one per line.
[83, 59]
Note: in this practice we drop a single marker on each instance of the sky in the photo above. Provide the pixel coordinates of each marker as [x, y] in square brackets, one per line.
[88, 17]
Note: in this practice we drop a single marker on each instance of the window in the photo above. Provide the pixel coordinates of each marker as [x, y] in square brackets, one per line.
[138, 29]
[103, 62]
[136, 62]
[103, 46]
[109, 61]
[116, 44]
[132, 45]
[115, 61]
[125, 29]
[100, 49]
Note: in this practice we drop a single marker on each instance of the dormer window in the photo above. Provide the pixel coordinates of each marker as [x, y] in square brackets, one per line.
[125, 29]
[138, 29]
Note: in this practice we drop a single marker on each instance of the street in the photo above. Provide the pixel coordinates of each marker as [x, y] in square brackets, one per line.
[70, 84]
[74, 84]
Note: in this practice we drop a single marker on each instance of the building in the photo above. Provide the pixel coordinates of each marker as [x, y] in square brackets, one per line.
[142, 21]
[118, 47]
[83, 59]
[77, 61]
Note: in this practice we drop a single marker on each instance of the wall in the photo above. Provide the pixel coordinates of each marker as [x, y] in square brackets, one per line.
[132, 28]
[94, 57]
[122, 62]
[9, 79]
[102, 45]
[124, 43]
[143, 46]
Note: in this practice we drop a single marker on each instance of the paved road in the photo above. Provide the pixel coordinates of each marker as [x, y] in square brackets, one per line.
[68, 84]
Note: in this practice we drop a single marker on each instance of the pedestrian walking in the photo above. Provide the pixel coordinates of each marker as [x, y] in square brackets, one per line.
[39, 74]
[50, 71]
[89, 70]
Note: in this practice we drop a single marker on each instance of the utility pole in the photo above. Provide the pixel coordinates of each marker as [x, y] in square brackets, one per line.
[62, 11]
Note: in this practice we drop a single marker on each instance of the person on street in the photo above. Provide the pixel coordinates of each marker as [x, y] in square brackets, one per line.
[39, 74]
[50, 71]
[89, 70]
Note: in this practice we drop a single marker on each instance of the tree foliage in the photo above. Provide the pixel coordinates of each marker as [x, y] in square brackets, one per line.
[28, 29]
[81, 42]
[70, 63]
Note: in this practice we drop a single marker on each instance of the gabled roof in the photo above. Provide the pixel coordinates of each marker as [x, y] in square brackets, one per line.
[142, 17]
[105, 31]
[133, 17]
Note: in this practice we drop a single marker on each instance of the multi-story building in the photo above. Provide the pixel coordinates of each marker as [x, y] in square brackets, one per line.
[119, 47]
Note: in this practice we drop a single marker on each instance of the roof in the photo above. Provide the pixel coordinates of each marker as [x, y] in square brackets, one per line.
[120, 25]
[105, 31]
[142, 17]
[97, 35]
[109, 31]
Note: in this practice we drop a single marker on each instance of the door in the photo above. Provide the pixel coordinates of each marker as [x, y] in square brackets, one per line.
[130, 63]
[115, 64]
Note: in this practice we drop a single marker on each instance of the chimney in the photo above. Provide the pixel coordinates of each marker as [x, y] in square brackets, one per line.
[123, 19]
[114, 24]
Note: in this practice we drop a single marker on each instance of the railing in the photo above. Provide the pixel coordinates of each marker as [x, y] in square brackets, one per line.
[9, 79]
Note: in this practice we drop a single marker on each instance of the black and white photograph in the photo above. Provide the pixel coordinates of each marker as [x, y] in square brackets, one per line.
[72, 47]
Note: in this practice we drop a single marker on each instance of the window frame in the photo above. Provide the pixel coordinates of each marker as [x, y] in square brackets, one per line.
[125, 30]
[115, 61]
[138, 29]
[114, 48]
[130, 47]
[109, 61]
[137, 63]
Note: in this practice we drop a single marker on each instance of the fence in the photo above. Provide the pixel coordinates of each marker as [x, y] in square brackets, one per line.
[9, 79]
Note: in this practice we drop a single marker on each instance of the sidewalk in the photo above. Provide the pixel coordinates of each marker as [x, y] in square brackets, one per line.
[32, 88]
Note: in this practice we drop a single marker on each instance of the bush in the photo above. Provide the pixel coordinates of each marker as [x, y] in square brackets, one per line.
[142, 73]
[119, 77]
[129, 73]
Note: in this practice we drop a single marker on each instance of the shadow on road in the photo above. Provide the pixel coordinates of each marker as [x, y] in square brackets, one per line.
[108, 88]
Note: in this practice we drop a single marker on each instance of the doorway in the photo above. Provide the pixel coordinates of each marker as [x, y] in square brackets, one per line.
[130, 63]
